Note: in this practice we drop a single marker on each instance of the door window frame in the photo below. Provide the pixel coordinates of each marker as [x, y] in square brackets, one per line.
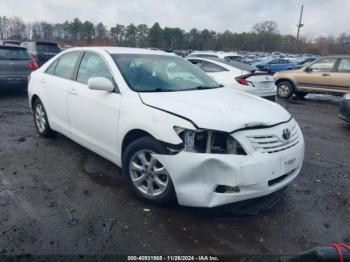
[58, 60]
[116, 89]
[338, 64]
[334, 69]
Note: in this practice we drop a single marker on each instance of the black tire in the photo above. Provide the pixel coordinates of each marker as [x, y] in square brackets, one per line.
[147, 143]
[300, 94]
[44, 130]
[285, 89]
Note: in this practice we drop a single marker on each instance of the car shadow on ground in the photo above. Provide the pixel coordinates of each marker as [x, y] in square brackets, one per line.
[318, 98]
[8, 94]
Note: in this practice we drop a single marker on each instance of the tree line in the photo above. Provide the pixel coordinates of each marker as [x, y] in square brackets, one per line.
[264, 37]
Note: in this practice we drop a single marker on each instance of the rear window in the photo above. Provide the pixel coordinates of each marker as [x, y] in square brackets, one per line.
[47, 48]
[66, 65]
[10, 53]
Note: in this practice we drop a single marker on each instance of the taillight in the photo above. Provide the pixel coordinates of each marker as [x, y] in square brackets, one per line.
[242, 81]
[32, 65]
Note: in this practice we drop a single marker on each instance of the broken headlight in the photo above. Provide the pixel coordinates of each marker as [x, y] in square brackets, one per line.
[208, 141]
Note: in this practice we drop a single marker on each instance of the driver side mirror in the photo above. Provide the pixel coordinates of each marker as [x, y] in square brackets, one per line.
[100, 83]
[308, 70]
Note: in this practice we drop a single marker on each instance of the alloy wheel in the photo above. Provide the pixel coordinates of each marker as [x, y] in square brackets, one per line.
[147, 174]
[40, 118]
[283, 90]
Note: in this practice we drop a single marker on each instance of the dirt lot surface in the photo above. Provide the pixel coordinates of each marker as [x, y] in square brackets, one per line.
[58, 198]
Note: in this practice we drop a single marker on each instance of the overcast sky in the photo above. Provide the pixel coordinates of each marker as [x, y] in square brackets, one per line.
[321, 17]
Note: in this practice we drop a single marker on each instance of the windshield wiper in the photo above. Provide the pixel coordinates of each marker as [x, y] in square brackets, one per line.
[206, 87]
[156, 90]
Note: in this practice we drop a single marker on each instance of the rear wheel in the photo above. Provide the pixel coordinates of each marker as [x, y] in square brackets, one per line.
[40, 120]
[285, 89]
[147, 178]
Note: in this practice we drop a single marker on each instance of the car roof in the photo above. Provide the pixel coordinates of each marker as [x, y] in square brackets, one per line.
[123, 50]
[41, 42]
[10, 40]
[216, 53]
[226, 64]
[7, 46]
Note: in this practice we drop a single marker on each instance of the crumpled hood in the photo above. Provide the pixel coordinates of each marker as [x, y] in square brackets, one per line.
[223, 109]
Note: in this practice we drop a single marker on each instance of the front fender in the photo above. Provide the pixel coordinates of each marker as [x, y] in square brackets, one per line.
[159, 124]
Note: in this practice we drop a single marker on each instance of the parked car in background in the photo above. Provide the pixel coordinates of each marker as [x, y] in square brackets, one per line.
[15, 67]
[325, 75]
[276, 65]
[239, 76]
[174, 131]
[42, 51]
[228, 56]
[10, 42]
[306, 60]
[65, 47]
[344, 112]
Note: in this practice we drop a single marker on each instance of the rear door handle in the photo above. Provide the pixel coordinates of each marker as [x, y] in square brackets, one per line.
[325, 74]
[43, 81]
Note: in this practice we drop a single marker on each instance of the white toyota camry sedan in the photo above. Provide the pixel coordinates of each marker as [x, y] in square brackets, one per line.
[176, 133]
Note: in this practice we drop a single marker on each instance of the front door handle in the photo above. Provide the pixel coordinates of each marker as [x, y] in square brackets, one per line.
[43, 81]
[325, 74]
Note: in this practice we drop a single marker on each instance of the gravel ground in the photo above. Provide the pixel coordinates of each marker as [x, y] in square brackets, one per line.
[58, 198]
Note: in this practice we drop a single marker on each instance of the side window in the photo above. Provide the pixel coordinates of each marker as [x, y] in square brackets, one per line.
[212, 68]
[274, 62]
[324, 65]
[51, 69]
[92, 65]
[196, 62]
[344, 65]
[66, 64]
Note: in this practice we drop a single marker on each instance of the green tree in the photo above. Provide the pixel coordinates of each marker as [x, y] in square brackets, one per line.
[88, 31]
[155, 36]
[142, 32]
[75, 28]
[101, 31]
[117, 34]
[130, 35]
[194, 39]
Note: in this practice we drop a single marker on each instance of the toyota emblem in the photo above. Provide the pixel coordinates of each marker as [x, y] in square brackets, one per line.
[286, 134]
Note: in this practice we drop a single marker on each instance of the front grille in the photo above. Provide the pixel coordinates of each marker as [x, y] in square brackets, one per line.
[272, 143]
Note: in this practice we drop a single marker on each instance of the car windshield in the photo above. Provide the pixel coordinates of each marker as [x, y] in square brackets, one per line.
[160, 73]
[12, 53]
[47, 48]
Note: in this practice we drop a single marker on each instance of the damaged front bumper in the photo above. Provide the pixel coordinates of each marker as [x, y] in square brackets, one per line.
[197, 177]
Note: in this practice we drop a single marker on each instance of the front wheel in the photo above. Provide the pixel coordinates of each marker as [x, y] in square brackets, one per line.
[147, 178]
[285, 89]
